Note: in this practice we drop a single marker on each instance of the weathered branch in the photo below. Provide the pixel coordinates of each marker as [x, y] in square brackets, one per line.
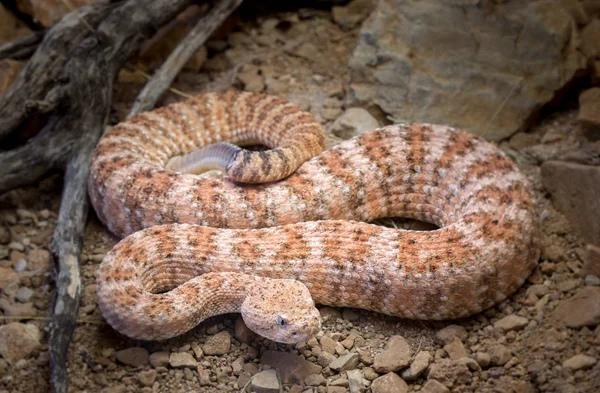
[23, 48]
[38, 76]
[165, 75]
[70, 77]
[27, 164]
[90, 73]
[89, 104]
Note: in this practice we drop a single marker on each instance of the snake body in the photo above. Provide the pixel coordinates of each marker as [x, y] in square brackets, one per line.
[230, 246]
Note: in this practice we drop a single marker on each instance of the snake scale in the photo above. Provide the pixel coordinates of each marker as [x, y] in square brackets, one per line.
[281, 230]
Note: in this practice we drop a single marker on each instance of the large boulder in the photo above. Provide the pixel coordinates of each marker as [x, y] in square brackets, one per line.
[468, 63]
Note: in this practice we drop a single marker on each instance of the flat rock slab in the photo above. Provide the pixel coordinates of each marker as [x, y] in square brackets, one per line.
[485, 69]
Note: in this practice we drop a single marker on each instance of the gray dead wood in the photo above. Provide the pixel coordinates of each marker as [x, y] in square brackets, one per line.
[46, 64]
[164, 76]
[77, 97]
[23, 48]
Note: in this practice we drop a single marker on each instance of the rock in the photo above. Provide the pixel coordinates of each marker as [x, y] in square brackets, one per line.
[355, 381]
[20, 266]
[353, 122]
[40, 260]
[483, 359]
[219, 344]
[499, 355]
[449, 372]
[328, 345]
[265, 382]
[447, 334]
[396, 356]
[24, 294]
[583, 309]
[345, 362]
[350, 15]
[417, 367]
[470, 363]
[18, 341]
[16, 246]
[589, 107]
[325, 358]
[134, 356]
[159, 359]
[592, 280]
[147, 377]
[579, 362]
[8, 277]
[252, 79]
[590, 39]
[315, 380]
[241, 332]
[591, 264]
[456, 349]
[437, 62]
[291, 368]
[575, 189]
[433, 386]
[389, 383]
[182, 360]
[511, 322]
[18, 310]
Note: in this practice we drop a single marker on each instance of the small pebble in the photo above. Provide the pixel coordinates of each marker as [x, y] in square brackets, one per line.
[147, 377]
[24, 294]
[134, 356]
[396, 356]
[433, 386]
[315, 380]
[159, 359]
[592, 280]
[447, 334]
[219, 344]
[16, 246]
[511, 322]
[389, 383]
[266, 382]
[181, 360]
[499, 355]
[417, 367]
[18, 341]
[579, 362]
[20, 265]
[344, 363]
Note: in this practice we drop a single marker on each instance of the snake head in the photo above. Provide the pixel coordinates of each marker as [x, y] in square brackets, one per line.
[281, 310]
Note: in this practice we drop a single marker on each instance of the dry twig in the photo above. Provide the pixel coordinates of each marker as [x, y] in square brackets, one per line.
[164, 76]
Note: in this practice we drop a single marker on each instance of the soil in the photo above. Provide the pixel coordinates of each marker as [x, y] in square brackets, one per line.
[303, 56]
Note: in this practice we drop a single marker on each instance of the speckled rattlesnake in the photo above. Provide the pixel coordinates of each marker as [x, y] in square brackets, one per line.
[226, 238]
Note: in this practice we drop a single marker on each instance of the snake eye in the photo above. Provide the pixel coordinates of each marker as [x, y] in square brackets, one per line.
[281, 321]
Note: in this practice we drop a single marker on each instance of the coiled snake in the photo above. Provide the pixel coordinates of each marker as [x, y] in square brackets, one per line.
[281, 226]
